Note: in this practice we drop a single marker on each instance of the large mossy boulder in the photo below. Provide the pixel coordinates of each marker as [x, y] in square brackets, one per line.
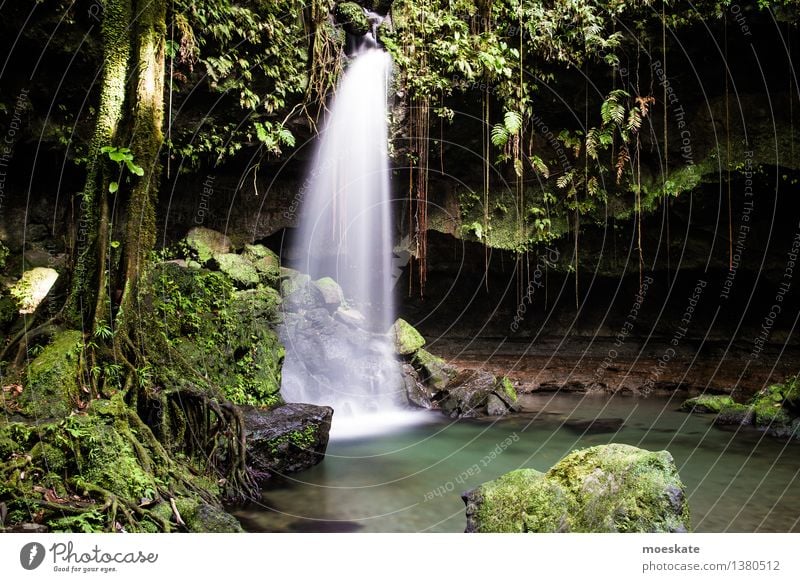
[331, 292]
[287, 439]
[407, 340]
[607, 488]
[204, 243]
[51, 383]
[266, 262]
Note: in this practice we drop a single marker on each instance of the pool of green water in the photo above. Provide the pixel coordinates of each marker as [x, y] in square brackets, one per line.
[410, 479]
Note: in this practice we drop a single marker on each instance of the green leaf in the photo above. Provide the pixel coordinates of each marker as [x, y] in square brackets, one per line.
[134, 169]
[513, 121]
[499, 135]
[114, 244]
[113, 187]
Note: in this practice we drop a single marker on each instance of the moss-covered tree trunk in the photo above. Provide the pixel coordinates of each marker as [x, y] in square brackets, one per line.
[88, 288]
[146, 141]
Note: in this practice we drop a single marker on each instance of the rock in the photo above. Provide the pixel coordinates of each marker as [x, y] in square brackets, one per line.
[707, 403]
[204, 243]
[266, 263]
[468, 393]
[287, 439]
[407, 340]
[293, 282]
[434, 371]
[239, 269]
[51, 387]
[33, 287]
[418, 394]
[332, 294]
[303, 297]
[734, 415]
[607, 488]
[495, 406]
[352, 18]
[201, 517]
[351, 317]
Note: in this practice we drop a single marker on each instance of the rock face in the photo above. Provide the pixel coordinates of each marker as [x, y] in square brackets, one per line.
[287, 439]
[607, 488]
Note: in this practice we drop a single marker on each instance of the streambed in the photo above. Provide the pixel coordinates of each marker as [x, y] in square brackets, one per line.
[410, 479]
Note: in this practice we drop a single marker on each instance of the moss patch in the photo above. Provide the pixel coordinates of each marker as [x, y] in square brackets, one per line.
[707, 403]
[407, 339]
[51, 384]
[608, 488]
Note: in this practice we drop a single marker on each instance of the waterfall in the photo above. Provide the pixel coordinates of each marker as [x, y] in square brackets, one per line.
[345, 232]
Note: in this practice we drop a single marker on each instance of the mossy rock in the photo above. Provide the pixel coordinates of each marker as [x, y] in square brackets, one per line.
[265, 262]
[734, 415]
[203, 243]
[607, 488]
[517, 502]
[33, 287]
[407, 339]
[707, 403]
[352, 18]
[48, 457]
[201, 517]
[51, 385]
[433, 370]
[241, 271]
[332, 294]
[292, 281]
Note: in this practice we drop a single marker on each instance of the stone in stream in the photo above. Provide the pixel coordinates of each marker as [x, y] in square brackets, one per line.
[434, 371]
[287, 439]
[607, 488]
[332, 294]
[469, 394]
[707, 403]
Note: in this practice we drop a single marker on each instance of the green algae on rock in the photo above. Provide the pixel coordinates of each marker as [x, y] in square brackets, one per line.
[607, 488]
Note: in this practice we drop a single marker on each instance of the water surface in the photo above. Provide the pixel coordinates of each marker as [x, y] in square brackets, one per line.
[410, 479]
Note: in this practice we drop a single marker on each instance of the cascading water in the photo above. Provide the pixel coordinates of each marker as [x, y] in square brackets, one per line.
[345, 359]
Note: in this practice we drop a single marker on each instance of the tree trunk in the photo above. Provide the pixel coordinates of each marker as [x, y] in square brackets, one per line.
[146, 141]
[87, 288]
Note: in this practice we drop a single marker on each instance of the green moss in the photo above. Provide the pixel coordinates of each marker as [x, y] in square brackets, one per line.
[201, 517]
[238, 269]
[769, 412]
[48, 457]
[608, 488]
[433, 370]
[508, 388]
[622, 488]
[707, 403]
[407, 339]
[522, 501]
[203, 243]
[51, 384]
[303, 439]
[9, 309]
[352, 18]
[265, 262]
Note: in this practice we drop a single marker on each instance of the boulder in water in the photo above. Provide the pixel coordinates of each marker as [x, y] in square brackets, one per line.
[707, 403]
[607, 488]
[287, 439]
[434, 371]
[469, 395]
